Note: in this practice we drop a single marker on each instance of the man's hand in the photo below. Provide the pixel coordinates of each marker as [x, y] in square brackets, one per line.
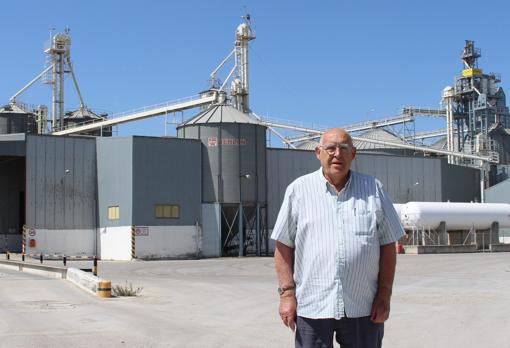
[284, 262]
[287, 309]
[381, 306]
[387, 262]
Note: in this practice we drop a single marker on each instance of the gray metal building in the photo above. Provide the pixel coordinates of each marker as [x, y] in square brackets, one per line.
[500, 193]
[201, 195]
[405, 178]
[152, 185]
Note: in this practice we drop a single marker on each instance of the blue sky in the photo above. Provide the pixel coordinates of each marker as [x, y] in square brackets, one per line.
[314, 62]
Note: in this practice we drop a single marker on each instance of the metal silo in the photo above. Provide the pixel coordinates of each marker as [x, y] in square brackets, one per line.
[233, 171]
[84, 116]
[14, 119]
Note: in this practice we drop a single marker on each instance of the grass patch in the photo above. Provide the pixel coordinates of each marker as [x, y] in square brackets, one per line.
[126, 290]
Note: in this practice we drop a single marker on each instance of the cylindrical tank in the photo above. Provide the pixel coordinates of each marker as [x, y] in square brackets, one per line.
[457, 216]
[308, 145]
[233, 154]
[398, 208]
[14, 119]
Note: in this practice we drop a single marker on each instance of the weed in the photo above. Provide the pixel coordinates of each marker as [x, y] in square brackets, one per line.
[126, 290]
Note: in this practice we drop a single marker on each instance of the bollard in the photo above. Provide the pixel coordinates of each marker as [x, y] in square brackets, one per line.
[41, 258]
[23, 257]
[65, 260]
[8, 255]
[133, 242]
[24, 240]
[94, 268]
[104, 289]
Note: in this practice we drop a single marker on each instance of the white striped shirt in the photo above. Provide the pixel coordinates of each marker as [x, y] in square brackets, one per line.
[336, 239]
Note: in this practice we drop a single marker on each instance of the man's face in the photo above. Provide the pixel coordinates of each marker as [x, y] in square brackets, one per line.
[336, 153]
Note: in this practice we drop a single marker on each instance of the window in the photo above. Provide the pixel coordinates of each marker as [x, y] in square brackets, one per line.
[168, 211]
[113, 212]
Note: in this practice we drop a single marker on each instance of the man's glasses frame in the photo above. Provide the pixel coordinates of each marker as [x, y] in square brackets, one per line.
[331, 148]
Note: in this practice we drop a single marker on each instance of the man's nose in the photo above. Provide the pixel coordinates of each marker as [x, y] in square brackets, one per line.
[338, 151]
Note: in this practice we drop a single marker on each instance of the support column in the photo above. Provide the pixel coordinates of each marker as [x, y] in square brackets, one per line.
[241, 230]
[494, 233]
[441, 231]
[257, 229]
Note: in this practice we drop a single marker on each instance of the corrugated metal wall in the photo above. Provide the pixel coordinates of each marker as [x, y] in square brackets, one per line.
[166, 171]
[211, 230]
[115, 179]
[499, 193]
[459, 184]
[404, 178]
[283, 167]
[61, 182]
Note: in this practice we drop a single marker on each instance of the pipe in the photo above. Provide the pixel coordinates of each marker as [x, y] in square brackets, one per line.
[82, 103]
[37, 78]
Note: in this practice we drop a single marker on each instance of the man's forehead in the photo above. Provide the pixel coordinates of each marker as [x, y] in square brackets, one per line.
[336, 137]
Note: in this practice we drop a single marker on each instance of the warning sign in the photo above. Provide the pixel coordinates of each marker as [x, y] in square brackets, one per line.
[212, 141]
[141, 231]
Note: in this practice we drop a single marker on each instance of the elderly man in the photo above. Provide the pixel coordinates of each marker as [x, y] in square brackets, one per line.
[335, 251]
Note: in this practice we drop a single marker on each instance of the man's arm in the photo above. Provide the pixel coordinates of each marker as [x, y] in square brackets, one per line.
[387, 264]
[284, 263]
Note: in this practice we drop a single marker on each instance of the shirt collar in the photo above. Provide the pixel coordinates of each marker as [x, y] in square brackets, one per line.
[326, 183]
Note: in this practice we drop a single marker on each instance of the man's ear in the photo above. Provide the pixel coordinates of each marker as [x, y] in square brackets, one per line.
[353, 152]
[318, 152]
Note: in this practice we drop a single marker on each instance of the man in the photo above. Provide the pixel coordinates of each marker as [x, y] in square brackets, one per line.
[335, 251]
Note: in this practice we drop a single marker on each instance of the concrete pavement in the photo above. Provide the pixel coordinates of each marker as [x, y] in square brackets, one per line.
[454, 300]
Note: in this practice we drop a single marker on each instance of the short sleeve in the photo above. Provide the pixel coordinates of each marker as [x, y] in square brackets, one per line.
[389, 228]
[284, 229]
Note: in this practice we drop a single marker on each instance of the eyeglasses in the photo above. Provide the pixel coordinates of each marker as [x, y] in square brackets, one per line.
[331, 148]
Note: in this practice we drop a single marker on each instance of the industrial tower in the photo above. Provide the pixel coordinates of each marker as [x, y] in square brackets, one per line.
[475, 106]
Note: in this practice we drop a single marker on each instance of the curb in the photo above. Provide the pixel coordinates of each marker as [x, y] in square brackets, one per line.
[90, 283]
[44, 270]
[95, 285]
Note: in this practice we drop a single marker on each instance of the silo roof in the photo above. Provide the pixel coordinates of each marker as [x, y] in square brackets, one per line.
[377, 134]
[82, 113]
[221, 114]
[13, 108]
[308, 145]
[441, 144]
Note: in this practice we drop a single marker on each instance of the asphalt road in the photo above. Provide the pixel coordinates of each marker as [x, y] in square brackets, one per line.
[459, 300]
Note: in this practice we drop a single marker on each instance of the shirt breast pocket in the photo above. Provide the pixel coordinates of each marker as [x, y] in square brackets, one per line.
[362, 223]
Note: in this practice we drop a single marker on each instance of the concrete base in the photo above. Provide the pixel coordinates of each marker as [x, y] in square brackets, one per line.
[79, 242]
[84, 280]
[151, 242]
[439, 249]
[42, 270]
[499, 247]
[89, 282]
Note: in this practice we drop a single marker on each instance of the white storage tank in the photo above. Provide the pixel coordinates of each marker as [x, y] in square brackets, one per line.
[458, 216]
[398, 208]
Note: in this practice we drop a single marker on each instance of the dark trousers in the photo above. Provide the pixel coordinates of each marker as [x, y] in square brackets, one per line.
[350, 333]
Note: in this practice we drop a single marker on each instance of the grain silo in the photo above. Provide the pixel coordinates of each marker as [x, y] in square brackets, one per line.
[15, 119]
[84, 116]
[233, 176]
